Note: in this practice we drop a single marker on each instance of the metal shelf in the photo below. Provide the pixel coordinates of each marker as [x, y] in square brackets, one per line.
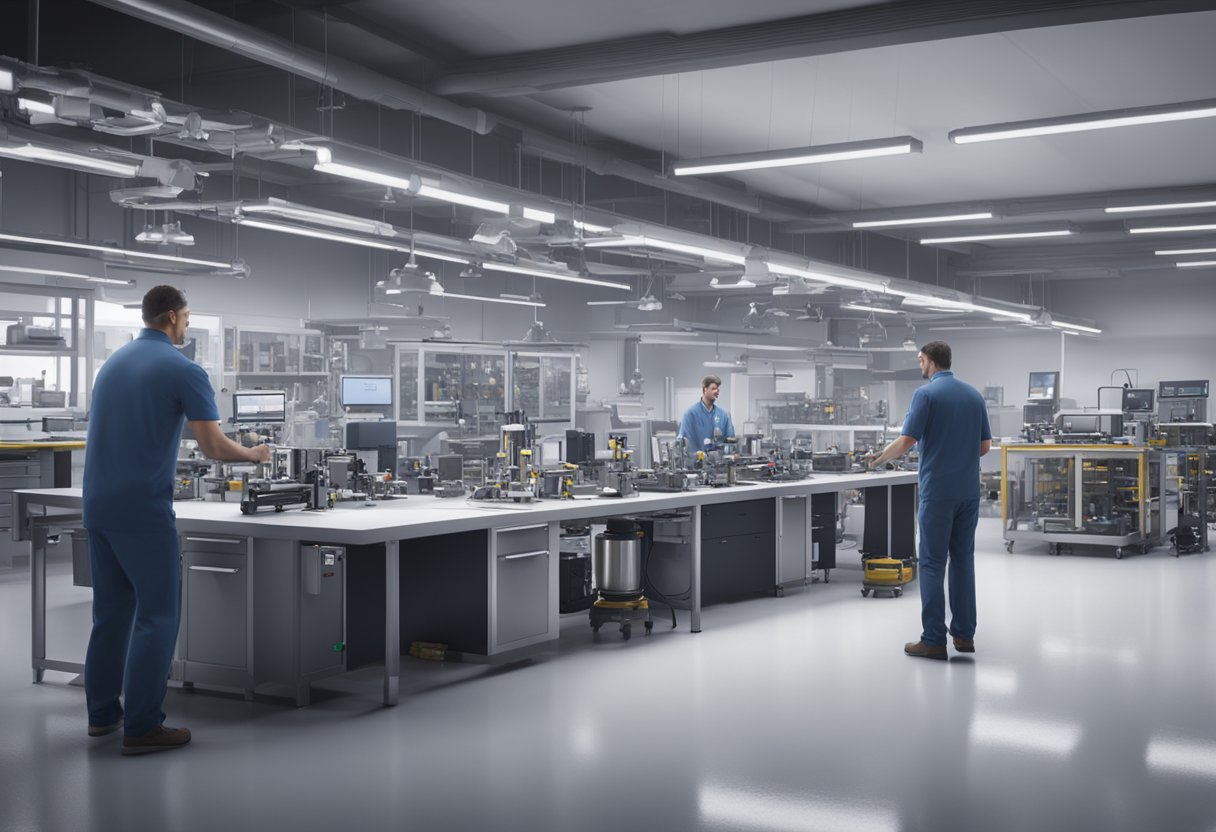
[35, 350]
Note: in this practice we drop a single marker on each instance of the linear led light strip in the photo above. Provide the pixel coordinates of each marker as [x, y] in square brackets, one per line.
[1171, 229]
[1102, 120]
[568, 278]
[977, 238]
[6, 80]
[929, 301]
[1195, 264]
[1176, 251]
[513, 301]
[789, 157]
[335, 220]
[979, 215]
[172, 258]
[1171, 206]
[1067, 325]
[835, 280]
[882, 310]
[326, 164]
[334, 236]
[52, 273]
[34, 153]
[629, 241]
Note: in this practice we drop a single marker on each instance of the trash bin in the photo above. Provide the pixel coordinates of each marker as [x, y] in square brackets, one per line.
[82, 575]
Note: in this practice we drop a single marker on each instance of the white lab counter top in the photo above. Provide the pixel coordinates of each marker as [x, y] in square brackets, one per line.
[423, 516]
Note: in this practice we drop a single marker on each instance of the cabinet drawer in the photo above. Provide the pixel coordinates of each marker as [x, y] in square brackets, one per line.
[216, 622]
[521, 539]
[20, 467]
[11, 483]
[522, 596]
[217, 543]
[737, 567]
[727, 519]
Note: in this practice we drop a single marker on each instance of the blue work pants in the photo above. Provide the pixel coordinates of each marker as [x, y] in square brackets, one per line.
[947, 546]
[136, 610]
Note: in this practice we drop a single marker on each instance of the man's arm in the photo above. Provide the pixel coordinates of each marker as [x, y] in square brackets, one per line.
[900, 446]
[213, 443]
[985, 446]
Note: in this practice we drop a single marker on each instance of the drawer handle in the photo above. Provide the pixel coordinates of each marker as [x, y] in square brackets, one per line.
[522, 528]
[232, 541]
[227, 570]
[521, 555]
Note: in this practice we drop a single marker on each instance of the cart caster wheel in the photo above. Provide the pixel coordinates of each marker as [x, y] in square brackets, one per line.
[899, 593]
[626, 632]
[779, 592]
[649, 627]
[1119, 553]
[1009, 546]
[865, 593]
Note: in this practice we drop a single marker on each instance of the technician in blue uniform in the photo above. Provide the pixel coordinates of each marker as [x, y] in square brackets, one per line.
[706, 426]
[141, 397]
[949, 420]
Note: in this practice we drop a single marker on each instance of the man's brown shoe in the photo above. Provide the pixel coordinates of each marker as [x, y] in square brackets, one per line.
[159, 738]
[964, 645]
[924, 651]
[104, 730]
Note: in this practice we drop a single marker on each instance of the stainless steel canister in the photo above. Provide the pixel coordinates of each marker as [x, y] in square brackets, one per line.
[618, 559]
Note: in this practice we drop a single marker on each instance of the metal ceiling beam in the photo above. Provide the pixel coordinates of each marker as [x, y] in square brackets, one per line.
[846, 30]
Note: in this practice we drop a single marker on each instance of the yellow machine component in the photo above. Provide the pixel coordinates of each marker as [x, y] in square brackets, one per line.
[638, 604]
[885, 574]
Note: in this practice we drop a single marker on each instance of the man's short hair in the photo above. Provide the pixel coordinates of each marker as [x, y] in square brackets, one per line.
[939, 353]
[708, 380]
[159, 302]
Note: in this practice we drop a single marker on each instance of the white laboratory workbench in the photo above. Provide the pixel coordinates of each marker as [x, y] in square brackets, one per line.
[482, 577]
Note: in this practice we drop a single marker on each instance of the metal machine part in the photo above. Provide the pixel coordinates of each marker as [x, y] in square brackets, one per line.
[618, 560]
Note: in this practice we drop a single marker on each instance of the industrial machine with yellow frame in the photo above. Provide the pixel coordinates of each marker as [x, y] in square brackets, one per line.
[886, 575]
[1071, 495]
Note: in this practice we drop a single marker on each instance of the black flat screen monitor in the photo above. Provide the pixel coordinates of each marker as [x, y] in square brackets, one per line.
[259, 406]
[1195, 389]
[1038, 414]
[367, 391]
[1137, 400]
[1044, 387]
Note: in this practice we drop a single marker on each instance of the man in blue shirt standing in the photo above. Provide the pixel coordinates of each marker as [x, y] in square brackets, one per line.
[141, 397]
[949, 420]
[705, 426]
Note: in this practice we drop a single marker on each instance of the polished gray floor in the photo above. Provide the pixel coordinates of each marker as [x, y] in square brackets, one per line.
[1091, 705]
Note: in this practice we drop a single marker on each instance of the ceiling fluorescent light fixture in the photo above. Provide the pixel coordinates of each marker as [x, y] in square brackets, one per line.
[1167, 206]
[594, 229]
[979, 215]
[32, 105]
[512, 301]
[318, 234]
[510, 268]
[540, 216]
[629, 241]
[7, 83]
[789, 157]
[861, 307]
[142, 255]
[931, 302]
[1176, 251]
[1196, 264]
[374, 177]
[821, 277]
[438, 255]
[979, 238]
[112, 281]
[433, 192]
[305, 214]
[1079, 327]
[1129, 117]
[1171, 229]
[66, 158]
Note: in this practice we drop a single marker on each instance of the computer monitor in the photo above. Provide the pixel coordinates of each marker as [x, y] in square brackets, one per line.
[1044, 387]
[1195, 389]
[367, 391]
[259, 406]
[1038, 414]
[1137, 400]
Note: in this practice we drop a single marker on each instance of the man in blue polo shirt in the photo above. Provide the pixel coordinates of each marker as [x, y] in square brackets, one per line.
[949, 419]
[141, 397]
[705, 426]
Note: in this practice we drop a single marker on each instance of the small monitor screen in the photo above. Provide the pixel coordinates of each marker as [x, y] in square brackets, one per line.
[260, 406]
[367, 391]
[1043, 386]
[1137, 401]
[1197, 389]
[1038, 414]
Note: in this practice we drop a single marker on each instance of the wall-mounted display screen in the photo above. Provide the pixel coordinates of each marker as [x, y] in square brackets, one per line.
[259, 406]
[367, 391]
[1044, 387]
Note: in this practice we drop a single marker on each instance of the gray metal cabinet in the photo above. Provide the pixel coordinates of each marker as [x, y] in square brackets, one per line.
[793, 542]
[20, 469]
[523, 586]
[215, 641]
